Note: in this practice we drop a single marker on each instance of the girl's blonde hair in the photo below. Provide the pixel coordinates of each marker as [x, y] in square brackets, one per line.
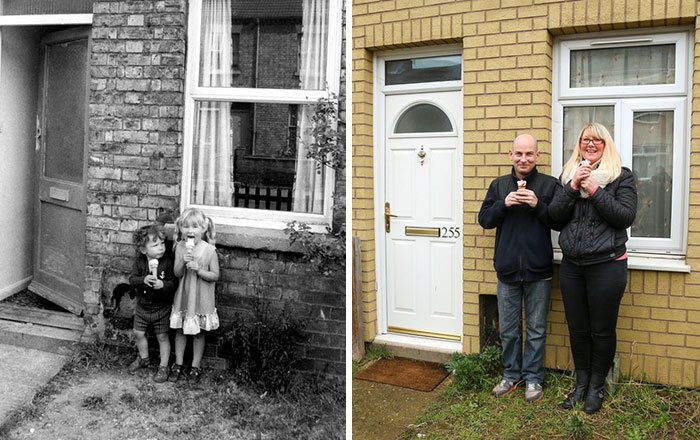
[610, 163]
[196, 216]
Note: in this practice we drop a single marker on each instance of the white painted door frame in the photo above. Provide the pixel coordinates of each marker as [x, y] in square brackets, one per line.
[379, 113]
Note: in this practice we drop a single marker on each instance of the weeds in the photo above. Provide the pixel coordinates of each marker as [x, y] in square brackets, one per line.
[375, 352]
[94, 403]
[475, 371]
[263, 350]
[634, 411]
[577, 427]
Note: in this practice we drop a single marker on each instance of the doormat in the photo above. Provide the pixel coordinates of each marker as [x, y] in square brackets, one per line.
[406, 373]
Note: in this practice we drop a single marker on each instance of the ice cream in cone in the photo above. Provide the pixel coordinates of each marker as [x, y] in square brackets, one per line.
[189, 245]
[522, 184]
[153, 267]
[585, 162]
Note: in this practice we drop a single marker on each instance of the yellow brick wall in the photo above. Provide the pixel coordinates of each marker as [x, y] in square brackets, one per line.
[507, 48]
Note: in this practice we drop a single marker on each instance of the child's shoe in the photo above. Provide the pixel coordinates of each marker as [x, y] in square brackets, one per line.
[162, 374]
[175, 373]
[195, 375]
[138, 364]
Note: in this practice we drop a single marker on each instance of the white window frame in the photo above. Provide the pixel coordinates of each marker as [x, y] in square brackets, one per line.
[194, 93]
[679, 86]
[626, 100]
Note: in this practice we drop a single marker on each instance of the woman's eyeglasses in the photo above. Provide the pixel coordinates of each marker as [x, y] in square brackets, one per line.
[596, 141]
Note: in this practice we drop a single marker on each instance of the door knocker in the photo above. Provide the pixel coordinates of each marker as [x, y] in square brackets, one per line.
[421, 155]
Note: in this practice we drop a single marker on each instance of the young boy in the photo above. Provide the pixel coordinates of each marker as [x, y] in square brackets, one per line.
[155, 283]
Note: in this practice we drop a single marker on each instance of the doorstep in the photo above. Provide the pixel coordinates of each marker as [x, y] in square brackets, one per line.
[422, 349]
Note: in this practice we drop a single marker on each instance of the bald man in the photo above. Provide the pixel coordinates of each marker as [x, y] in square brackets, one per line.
[516, 205]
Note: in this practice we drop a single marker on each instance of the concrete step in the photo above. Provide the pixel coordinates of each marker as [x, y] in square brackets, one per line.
[422, 349]
[51, 318]
[38, 336]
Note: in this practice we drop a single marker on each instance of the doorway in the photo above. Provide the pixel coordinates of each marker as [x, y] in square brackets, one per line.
[421, 197]
[44, 88]
[59, 247]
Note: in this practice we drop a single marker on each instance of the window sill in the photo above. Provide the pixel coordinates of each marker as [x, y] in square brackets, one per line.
[258, 239]
[651, 262]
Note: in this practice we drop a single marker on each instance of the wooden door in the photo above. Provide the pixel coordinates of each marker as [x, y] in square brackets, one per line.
[59, 249]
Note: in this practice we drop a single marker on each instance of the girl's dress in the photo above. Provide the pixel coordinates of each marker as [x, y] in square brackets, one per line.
[193, 307]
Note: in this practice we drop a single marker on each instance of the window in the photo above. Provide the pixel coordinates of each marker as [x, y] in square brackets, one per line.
[256, 71]
[423, 118]
[637, 86]
[429, 69]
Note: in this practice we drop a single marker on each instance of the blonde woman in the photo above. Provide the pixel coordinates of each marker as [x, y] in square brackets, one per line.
[596, 203]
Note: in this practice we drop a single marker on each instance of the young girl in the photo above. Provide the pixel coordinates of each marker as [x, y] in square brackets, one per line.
[197, 266]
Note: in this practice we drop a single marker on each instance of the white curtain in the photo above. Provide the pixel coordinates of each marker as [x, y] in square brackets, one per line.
[309, 180]
[623, 66]
[213, 162]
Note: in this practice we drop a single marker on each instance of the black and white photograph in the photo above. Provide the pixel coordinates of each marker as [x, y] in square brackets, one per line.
[173, 192]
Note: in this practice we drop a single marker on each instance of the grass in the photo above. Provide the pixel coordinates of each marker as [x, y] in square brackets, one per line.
[312, 409]
[634, 410]
[373, 353]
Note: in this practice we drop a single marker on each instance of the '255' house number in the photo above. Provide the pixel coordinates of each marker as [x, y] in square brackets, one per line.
[450, 232]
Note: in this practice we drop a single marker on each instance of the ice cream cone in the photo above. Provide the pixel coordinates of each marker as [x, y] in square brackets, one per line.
[153, 267]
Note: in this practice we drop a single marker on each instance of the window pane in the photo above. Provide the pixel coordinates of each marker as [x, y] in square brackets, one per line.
[652, 163]
[623, 66]
[279, 44]
[417, 70]
[254, 156]
[576, 117]
[34, 7]
[64, 132]
[423, 118]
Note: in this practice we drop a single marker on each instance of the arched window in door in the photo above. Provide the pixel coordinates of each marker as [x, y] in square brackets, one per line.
[423, 118]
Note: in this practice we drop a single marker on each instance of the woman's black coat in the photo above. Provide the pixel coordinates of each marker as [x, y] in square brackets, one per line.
[594, 228]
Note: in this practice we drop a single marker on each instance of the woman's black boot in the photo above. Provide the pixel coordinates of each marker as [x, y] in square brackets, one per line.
[582, 377]
[594, 398]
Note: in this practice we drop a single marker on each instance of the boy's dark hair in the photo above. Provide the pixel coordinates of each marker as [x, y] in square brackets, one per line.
[141, 235]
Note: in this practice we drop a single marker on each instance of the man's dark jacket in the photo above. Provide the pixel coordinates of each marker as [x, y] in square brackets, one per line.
[523, 240]
[595, 228]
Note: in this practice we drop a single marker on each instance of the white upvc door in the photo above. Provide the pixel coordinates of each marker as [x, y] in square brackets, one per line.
[423, 213]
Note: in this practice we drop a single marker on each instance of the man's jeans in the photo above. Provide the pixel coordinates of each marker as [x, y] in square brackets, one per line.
[535, 295]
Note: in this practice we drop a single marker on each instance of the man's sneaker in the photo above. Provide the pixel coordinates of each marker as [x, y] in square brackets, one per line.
[533, 392]
[138, 364]
[504, 387]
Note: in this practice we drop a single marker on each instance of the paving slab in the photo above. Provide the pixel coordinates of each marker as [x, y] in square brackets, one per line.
[23, 371]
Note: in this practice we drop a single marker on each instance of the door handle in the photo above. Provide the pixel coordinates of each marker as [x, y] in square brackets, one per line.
[387, 217]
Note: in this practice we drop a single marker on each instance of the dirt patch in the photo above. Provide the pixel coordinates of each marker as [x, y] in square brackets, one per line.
[113, 405]
[383, 412]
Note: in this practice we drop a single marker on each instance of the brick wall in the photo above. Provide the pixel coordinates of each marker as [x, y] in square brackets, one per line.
[134, 175]
[282, 278]
[135, 146]
[507, 49]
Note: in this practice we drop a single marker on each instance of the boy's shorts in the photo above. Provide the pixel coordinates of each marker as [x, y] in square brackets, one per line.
[159, 319]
